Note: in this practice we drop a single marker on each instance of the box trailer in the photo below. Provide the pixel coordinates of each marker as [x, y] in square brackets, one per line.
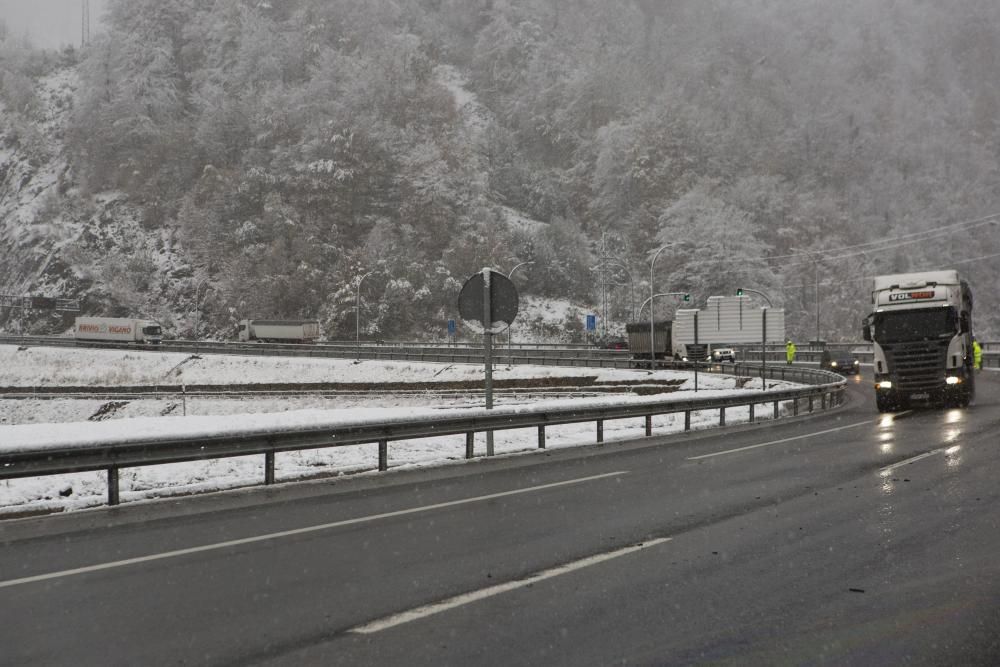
[279, 331]
[638, 341]
[117, 330]
[723, 322]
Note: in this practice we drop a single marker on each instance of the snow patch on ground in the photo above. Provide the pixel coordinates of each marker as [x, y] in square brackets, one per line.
[50, 367]
[142, 418]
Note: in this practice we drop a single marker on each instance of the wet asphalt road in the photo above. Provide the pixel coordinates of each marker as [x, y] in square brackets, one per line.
[805, 546]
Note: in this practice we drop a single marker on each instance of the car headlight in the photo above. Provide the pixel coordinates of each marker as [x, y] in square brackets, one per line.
[856, 362]
[833, 364]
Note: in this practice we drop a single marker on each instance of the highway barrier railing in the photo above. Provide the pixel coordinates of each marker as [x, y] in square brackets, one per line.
[825, 390]
[541, 354]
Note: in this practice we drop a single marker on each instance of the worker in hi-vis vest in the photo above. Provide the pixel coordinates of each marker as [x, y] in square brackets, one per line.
[977, 354]
[789, 352]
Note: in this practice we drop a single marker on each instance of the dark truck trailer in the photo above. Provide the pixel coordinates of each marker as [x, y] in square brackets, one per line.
[638, 341]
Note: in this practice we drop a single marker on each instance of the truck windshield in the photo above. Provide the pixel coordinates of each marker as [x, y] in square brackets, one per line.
[911, 325]
[152, 331]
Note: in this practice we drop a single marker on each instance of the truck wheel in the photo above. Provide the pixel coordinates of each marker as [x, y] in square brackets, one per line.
[883, 403]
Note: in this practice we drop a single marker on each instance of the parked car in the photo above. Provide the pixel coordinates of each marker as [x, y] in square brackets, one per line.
[721, 354]
[840, 361]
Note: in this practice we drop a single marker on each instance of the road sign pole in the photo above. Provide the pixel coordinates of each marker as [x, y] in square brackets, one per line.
[495, 300]
[488, 350]
[696, 361]
[763, 348]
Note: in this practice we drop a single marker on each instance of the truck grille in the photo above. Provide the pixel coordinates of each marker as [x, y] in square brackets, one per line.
[918, 366]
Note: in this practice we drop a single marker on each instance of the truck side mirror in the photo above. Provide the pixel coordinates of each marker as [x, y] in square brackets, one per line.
[866, 331]
[964, 323]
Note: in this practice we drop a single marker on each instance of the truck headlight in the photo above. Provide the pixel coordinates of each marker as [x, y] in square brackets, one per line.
[952, 379]
[884, 384]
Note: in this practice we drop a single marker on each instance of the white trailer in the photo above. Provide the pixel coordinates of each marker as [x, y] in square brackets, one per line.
[117, 330]
[279, 331]
[725, 321]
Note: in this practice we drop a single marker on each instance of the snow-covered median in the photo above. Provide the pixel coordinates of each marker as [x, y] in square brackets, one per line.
[53, 367]
[215, 416]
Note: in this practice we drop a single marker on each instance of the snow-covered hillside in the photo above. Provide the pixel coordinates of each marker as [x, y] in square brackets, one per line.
[58, 239]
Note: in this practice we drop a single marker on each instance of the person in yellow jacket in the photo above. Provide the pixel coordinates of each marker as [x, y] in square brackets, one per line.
[789, 352]
[977, 354]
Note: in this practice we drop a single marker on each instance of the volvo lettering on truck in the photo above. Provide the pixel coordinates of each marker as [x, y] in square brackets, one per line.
[920, 328]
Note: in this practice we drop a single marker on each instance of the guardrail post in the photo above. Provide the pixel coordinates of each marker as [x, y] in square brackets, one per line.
[751, 413]
[775, 409]
[687, 420]
[649, 425]
[383, 455]
[822, 399]
[541, 437]
[811, 403]
[795, 407]
[470, 445]
[113, 485]
[269, 467]
[722, 416]
[600, 430]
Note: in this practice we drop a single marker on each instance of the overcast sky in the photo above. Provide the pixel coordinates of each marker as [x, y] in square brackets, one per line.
[50, 23]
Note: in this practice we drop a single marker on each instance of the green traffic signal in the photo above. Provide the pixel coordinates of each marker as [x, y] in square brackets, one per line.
[739, 291]
[686, 297]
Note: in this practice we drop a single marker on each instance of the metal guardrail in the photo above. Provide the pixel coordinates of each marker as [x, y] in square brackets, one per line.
[863, 351]
[544, 355]
[573, 357]
[59, 458]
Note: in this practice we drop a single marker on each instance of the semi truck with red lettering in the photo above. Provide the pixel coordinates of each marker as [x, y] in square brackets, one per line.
[117, 330]
[279, 331]
[920, 329]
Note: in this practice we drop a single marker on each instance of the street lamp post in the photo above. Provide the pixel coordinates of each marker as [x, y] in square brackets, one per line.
[814, 256]
[510, 350]
[816, 279]
[631, 283]
[198, 307]
[656, 296]
[652, 295]
[357, 316]
[763, 336]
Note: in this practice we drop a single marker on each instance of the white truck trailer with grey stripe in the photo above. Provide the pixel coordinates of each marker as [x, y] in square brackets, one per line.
[723, 322]
[279, 331]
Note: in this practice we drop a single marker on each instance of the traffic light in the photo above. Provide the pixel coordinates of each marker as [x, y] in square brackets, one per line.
[739, 291]
[686, 297]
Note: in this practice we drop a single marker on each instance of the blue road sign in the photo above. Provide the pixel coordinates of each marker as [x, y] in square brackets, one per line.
[591, 322]
[451, 327]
